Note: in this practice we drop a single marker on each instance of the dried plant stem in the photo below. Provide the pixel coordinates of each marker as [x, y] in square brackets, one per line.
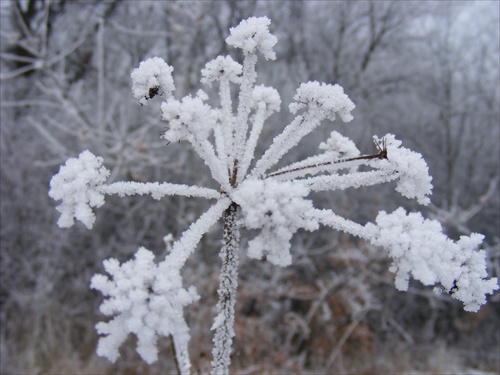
[224, 322]
[350, 329]
[381, 155]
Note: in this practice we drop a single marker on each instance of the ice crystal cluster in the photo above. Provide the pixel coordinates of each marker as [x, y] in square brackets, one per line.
[147, 299]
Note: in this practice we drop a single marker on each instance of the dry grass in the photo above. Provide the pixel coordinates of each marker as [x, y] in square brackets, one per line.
[287, 323]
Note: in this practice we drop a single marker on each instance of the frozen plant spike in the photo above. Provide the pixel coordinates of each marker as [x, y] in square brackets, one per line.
[147, 299]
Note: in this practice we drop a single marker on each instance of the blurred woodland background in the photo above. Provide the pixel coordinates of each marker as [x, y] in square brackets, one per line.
[427, 71]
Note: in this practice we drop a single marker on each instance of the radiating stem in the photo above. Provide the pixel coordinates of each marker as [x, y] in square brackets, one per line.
[224, 322]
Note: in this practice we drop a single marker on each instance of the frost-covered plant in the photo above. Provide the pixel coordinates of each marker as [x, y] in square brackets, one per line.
[147, 299]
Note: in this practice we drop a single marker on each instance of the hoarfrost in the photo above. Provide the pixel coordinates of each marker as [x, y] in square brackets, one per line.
[418, 247]
[253, 35]
[152, 77]
[221, 68]
[139, 307]
[147, 299]
[76, 185]
[279, 210]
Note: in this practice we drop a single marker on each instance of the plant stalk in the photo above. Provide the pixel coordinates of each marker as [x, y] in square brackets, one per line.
[224, 322]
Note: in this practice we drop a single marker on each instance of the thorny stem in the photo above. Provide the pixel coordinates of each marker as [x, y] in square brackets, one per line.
[224, 322]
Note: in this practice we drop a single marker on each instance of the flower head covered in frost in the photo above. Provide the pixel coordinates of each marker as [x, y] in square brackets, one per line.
[152, 77]
[414, 180]
[76, 185]
[339, 146]
[139, 307]
[266, 97]
[221, 68]
[253, 35]
[188, 117]
[324, 99]
[278, 209]
[418, 247]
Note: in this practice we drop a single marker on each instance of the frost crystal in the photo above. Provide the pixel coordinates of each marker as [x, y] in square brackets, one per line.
[190, 116]
[152, 77]
[323, 100]
[76, 185]
[420, 248]
[278, 209]
[338, 147]
[222, 68]
[139, 306]
[267, 97]
[414, 180]
[253, 34]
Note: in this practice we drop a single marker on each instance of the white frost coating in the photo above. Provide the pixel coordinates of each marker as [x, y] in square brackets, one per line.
[253, 35]
[267, 97]
[228, 284]
[414, 180]
[266, 100]
[182, 249]
[139, 307]
[324, 100]
[158, 190]
[226, 70]
[190, 116]
[420, 248]
[338, 146]
[352, 180]
[223, 68]
[147, 299]
[331, 219]
[77, 186]
[152, 77]
[279, 210]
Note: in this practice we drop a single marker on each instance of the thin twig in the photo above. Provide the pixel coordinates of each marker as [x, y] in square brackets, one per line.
[338, 348]
[381, 155]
